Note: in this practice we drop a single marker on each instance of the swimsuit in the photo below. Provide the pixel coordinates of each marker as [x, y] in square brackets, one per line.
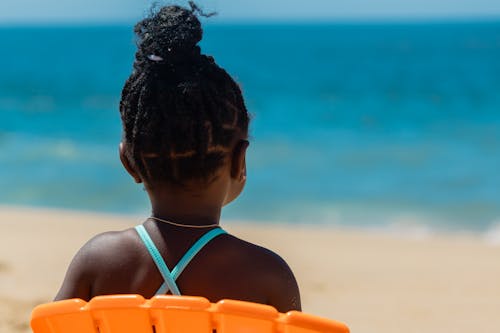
[170, 277]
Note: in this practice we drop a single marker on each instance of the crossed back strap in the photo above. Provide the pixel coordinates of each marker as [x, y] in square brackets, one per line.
[170, 277]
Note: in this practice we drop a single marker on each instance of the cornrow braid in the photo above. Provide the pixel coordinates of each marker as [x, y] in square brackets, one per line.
[181, 112]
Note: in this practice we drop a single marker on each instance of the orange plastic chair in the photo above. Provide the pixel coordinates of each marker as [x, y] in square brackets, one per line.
[172, 314]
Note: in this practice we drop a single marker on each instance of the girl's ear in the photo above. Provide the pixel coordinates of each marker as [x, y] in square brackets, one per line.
[238, 163]
[126, 163]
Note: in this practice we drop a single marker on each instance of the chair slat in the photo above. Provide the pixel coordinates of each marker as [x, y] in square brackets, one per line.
[180, 314]
[121, 313]
[245, 317]
[68, 316]
[299, 322]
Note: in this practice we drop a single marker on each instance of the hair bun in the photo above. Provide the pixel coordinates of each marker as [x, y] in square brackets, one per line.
[170, 34]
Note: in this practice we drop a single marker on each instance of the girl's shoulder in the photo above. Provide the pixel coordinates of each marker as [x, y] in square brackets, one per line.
[261, 268]
[104, 254]
[109, 247]
[244, 251]
[107, 252]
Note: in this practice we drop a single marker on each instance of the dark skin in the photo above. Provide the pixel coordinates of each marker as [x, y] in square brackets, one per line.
[226, 268]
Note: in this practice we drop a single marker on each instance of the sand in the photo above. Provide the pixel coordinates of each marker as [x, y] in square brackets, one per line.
[373, 281]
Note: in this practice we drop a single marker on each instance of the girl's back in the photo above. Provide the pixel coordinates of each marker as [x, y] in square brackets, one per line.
[227, 267]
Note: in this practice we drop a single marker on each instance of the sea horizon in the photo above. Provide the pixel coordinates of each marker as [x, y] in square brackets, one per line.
[285, 21]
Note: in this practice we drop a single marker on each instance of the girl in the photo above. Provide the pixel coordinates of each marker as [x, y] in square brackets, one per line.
[185, 129]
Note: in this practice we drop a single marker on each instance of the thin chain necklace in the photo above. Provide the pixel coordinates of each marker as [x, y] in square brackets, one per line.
[184, 225]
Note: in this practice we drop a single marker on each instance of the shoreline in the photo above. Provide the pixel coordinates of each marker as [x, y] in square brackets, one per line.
[373, 281]
[404, 226]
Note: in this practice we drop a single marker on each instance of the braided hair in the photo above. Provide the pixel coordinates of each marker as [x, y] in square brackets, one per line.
[182, 114]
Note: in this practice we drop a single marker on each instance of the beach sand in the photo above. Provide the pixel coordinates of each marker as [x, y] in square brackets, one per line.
[373, 281]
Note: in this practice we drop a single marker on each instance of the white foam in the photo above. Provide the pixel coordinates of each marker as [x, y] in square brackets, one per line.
[410, 226]
[65, 149]
[492, 235]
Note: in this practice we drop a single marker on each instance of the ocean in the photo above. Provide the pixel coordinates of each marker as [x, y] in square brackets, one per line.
[359, 125]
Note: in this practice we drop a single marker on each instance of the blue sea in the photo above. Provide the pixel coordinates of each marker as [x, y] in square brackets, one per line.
[364, 125]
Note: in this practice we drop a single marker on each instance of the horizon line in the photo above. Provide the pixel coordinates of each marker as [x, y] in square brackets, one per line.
[268, 21]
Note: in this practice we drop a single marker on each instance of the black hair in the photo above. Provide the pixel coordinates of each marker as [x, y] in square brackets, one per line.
[181, 112]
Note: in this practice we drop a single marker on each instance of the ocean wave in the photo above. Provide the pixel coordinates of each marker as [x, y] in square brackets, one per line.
[19, 149]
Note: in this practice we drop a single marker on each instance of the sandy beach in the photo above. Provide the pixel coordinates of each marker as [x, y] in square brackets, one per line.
[373, 281]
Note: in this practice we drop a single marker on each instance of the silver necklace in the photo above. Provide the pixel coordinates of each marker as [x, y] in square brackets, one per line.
[184, 225]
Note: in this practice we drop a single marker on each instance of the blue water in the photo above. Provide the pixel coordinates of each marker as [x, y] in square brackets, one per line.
[366, 125]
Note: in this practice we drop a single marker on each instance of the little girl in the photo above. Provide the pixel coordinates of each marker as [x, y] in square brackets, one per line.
[185, 129]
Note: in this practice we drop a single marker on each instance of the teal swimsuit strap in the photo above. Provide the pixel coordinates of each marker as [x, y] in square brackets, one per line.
[160, 263]
[181, 265]
[190, 254]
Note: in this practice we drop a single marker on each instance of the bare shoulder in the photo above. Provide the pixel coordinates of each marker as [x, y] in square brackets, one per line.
[104, 246]
[270, 271]
[269, 260]
[104, 253]
[107, 250]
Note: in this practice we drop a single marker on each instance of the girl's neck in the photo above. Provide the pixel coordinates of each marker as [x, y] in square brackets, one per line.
[187, 206]
[193, 216]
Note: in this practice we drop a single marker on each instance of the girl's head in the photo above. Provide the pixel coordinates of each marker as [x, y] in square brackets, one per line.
[183, 116]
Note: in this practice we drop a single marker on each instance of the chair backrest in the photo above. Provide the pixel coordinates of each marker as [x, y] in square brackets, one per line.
[172, 314]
